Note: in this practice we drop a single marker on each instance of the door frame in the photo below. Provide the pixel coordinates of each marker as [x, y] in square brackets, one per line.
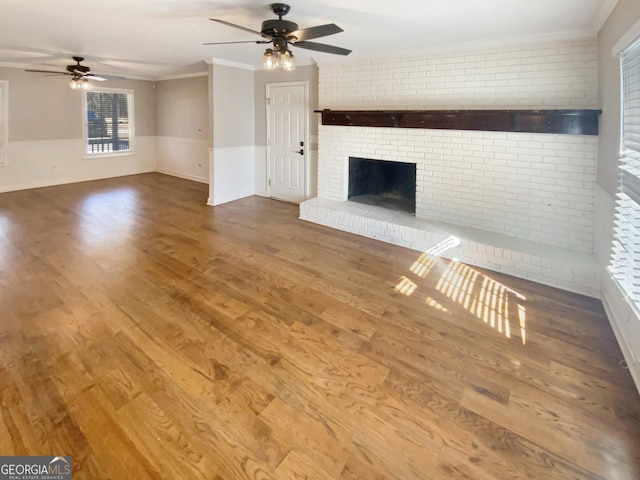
[307, 123]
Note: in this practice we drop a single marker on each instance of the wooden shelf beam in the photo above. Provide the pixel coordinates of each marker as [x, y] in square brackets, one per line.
[572, 122]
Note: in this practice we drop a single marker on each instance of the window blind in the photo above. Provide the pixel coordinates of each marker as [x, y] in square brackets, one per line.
[625, 262]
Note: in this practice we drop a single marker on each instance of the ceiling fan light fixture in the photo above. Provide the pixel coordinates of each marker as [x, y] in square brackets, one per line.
[79, 83]
[270, 59]
[288, 63]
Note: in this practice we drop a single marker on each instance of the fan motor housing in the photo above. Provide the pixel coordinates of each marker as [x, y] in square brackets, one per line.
[276, 28]
[77, 68]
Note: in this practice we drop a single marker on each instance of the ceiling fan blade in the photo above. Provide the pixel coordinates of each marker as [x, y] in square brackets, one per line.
[79, 72]
[321, 47]
[48, 71]
[316, 32]
[246, 41]
[263, 35]
[103, 78]
[113, 77]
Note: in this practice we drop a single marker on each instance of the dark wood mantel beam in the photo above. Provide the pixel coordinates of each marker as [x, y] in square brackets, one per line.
[573, 122]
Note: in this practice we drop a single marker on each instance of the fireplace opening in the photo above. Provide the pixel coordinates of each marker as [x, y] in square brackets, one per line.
[382, 183]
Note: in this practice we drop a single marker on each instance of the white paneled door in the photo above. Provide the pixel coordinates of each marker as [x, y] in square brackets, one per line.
[287, 141]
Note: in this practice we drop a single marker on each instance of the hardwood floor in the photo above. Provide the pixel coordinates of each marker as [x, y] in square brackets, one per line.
[151, 336]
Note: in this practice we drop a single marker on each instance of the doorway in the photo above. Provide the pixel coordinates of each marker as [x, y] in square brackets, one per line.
[287, 142]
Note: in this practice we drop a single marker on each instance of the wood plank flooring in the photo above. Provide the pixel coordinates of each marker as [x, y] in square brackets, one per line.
[153, 337]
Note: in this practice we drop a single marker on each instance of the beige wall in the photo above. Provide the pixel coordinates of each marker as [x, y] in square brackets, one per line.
[45, 133]
[626, 13]
[307, 73]
[226, 110]
[183, 128]
[145, 105]
[183, 108]
[43, 107]
[233, 107]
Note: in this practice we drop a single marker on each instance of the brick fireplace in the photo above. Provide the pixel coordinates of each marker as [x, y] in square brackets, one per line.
[520, 203]
[390, 185]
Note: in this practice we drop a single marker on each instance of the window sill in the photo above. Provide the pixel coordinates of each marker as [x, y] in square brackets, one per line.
[108, 154]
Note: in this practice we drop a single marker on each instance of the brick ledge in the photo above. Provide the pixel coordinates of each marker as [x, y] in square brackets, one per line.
[550, 265]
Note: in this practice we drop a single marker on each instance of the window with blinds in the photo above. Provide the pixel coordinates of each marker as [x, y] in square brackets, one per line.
[109, 124]
[4, 121]
[625, 261]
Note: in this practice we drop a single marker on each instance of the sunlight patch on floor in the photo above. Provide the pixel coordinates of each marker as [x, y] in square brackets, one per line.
[435, 304]
[426, 261]
[497, 305]
[484, 297]
[405, 286]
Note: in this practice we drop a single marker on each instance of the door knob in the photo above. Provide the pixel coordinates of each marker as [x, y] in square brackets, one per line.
[301, 151]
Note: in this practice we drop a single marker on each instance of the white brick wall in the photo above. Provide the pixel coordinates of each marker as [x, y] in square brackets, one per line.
[535, 187]
[532, 187]
[544, 75]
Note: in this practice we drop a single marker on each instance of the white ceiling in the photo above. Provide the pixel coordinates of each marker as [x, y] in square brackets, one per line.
[157, 39]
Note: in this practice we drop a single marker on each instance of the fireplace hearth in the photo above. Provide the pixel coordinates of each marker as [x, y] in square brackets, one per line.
[383, 183]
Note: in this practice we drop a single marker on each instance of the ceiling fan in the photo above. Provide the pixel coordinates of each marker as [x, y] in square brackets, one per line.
[80, 74]
[282, 33]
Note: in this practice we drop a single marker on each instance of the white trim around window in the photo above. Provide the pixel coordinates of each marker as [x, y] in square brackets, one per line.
[626, 40]
[108, 152]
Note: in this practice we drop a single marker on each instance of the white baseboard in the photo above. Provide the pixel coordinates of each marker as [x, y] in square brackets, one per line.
[183, 157]
[620, 314]
[186, 176]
